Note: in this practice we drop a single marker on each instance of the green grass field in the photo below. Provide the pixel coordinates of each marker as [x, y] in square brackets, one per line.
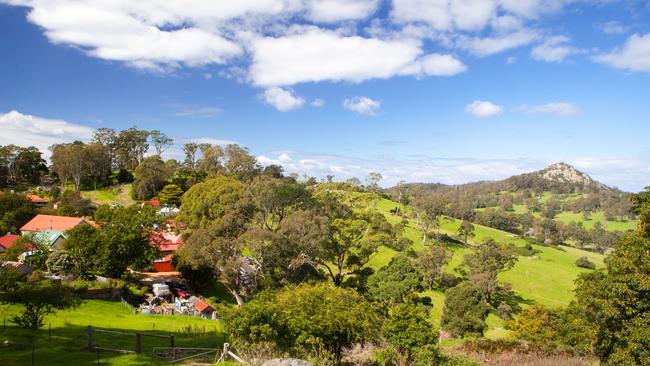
[68, 335]
[120, 194]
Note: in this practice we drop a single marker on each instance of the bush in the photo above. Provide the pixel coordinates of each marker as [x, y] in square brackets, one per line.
[584, 262]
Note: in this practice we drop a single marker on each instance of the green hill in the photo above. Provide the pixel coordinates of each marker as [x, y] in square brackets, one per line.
[546, 278]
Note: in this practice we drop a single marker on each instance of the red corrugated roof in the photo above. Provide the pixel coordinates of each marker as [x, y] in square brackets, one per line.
[202, 306]
[36, 199]
[49, 222]
[8, 241]
[165, 241]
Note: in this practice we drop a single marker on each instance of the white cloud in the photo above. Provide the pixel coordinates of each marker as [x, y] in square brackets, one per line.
[328, 11]
[183, 110]
[362, 105]
[483, 109]
[318, 55]
[490, 45]
[444, 14]
[282, 99]
[612, 27]
[553, 49]
[27, 130]
[561, 109]
[634, 55]
[628, 173]
[317, 103]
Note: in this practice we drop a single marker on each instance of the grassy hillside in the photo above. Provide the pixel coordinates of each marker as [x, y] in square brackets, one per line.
[546, 278]
[68, 335]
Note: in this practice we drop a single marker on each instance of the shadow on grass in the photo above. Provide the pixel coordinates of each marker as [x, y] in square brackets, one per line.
[68, 345]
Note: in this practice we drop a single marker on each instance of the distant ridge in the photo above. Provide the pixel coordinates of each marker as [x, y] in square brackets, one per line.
[557, 177]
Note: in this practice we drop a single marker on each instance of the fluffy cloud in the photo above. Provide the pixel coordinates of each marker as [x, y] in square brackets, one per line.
[317, 55]
[483, 109]
[562, 109]
[27, 130]
[362, 105]
[553, 49]
[634, 55]
[282, 99]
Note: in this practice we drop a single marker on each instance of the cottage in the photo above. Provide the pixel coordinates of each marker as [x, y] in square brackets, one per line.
[52, 223]
[167, 243]
[21, 268]
[36, 200]
[8, 241]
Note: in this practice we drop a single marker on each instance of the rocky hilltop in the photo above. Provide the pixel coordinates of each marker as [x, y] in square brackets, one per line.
[565, 173]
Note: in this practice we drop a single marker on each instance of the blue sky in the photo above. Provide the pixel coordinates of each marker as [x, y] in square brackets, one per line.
[450, 91]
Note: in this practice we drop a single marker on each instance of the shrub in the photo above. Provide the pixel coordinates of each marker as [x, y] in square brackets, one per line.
[584, 262]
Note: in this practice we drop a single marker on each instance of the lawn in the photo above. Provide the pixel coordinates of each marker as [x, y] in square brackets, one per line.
[68, 335]
[120, 194]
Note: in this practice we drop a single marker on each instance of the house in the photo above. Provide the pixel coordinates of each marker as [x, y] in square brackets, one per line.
[167, 243]
[51, 230]
[203, 309]
[50, 222]
[36, 200]
[7, 241]
[168, 211]
[152, 202]
[21, 268]
[51, 238]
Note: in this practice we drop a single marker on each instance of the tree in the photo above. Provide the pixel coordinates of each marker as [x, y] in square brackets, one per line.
[484, 265]
[239, 162]
[160, 141]
[395, 281]
[150, 176]
[69, 162]
[431, 262]
[130, 147]
[466, 231]
[171, 194]
[308, 320]
[21, 165]
[465, 311]
[15, 211]
[121, 243]
[191, 149]
[39, 298]
[616, 302]
[372, 181]
[274, 199]
[98, 162]
[106, 137]
[408, 330]
[641, 208]
[208, 202]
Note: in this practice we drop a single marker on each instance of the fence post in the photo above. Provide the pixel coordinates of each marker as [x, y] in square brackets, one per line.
[138, 343]
[90, 337]
[171, 341]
